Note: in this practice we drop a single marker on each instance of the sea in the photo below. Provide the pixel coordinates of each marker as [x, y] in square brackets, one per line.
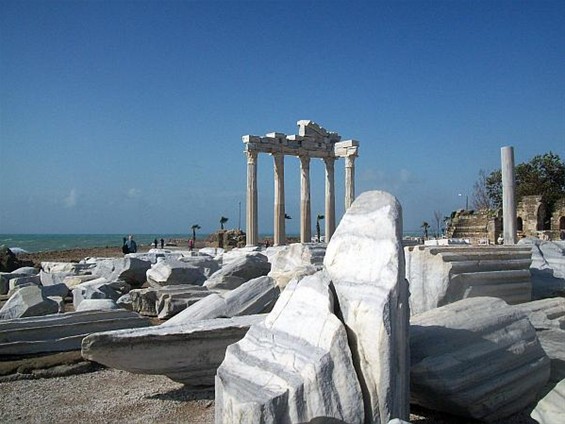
[33, 243]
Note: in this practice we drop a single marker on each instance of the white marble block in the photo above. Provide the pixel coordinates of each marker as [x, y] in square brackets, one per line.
[477, 357]
[366, 264]
[296, 367]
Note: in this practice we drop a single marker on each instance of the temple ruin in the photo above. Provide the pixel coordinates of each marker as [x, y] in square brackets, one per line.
[312, 141]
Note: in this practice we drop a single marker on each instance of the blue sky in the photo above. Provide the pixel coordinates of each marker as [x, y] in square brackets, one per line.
[127, 116]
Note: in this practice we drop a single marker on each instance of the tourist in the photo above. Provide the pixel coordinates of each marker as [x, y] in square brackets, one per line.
[162, 243]
[125, 249]
[131, 245]
[190, 244]
[155, 243]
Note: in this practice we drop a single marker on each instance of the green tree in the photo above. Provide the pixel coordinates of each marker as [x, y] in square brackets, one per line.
[425, 226]
[543, 175]
[194, 228]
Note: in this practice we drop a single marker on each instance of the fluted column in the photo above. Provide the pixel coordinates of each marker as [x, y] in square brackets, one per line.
[508, 195]
[279, 233]
[305, 211]
[251, 213]
[330, 198]
[349, 180]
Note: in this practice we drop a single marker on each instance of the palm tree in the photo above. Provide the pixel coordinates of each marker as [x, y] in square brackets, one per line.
[425, 226]
[223, 220]
[194, 228]
[318, 218]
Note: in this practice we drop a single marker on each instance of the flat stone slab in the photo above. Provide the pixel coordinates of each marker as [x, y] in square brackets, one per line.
[187, 353]
[60, 332]
[254, 297]
[477, 357]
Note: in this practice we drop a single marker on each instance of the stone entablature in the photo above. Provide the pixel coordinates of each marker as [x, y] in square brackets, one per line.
[312, 141]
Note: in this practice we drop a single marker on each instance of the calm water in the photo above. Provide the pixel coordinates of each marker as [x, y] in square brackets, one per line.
[46, 242]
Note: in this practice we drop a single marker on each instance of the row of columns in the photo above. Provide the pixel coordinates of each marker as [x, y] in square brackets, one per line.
[305, 208]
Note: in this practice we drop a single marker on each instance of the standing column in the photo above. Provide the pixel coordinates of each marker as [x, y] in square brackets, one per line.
[330, 198]
[349, 180]
[305, 211]
[279, 231]
[251, 213]
[508, 195]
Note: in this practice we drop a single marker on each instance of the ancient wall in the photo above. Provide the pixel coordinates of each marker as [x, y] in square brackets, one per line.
[476, 226]
[558, 220]
[530, 213]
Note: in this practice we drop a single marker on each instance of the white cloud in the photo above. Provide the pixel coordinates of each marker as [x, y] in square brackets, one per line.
[133, 193]
[71, 200]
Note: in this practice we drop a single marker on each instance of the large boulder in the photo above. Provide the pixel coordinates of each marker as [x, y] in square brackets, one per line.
[296, 261]
[296, 367]
[254, 297]
[238, 271]
[26, 302]
[9, 261]
[479, 358]
[365, 261]
[174, 272]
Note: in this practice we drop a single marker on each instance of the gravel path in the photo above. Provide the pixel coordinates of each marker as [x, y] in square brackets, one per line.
[105, 396]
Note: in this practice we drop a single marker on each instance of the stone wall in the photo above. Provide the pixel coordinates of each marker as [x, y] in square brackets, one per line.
[558, 220]
[476, 226]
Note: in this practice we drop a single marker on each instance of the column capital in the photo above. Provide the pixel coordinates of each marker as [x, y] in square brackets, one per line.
[304, 160]
[350, 161]
[251, 156]
[330, 161]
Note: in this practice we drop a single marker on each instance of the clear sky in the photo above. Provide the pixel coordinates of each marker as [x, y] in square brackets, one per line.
[127, 116]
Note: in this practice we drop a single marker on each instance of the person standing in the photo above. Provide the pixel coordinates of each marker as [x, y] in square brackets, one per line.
[190, 244]
[162, 243]
[155, 243]
[125, 248]
[131, 245]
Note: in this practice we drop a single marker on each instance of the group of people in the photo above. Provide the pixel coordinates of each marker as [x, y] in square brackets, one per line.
[162, 243]
[129, 245]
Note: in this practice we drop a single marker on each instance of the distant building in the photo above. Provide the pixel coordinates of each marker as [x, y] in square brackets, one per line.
[534, 219]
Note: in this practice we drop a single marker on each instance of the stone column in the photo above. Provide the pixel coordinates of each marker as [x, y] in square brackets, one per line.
[330, 198]
[279, 224]
[251, 213]
[349, 180]
[305, 210]
[508, 195]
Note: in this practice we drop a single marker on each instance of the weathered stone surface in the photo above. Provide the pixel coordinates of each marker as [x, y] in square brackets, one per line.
[97, 305]
[129, 269]
[173, 272]
[551, 409]
[238, 271]
[72, 281]
[548, 267]
[366, 264]
[60, 332]
[25, 281]
[187, 353]
[27, 302]
[444, 274]
[553, 343]
[545, 314]
[5, 278]
[166, 301]
[66, 267]
[96, 289]
[125, 302]
[60, 290]
[296, 261]
[296, 367]
[205, 263]
[254, 297]
[477, 357]
[170, 302]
